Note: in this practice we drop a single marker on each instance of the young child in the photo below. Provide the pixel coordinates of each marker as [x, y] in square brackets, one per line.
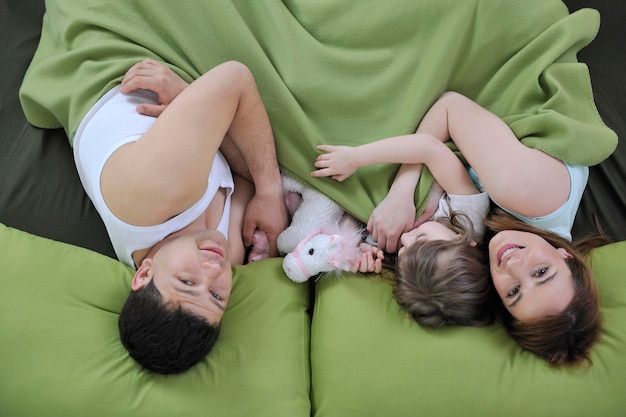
[442, 275]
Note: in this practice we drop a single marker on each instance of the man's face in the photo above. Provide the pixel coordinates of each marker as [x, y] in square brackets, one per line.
[193, 271]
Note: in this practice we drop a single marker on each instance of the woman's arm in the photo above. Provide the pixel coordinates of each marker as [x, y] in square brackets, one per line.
[525, 180]
[517, 177]
[395, 214]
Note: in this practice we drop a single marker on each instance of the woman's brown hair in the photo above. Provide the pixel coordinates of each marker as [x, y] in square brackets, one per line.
[565, 338]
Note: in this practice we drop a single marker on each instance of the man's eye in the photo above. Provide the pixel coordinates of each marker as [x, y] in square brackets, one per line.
[512, 292]
[540, 272]
[216, 296]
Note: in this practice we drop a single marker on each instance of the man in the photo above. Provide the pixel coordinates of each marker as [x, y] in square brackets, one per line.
[155, 156]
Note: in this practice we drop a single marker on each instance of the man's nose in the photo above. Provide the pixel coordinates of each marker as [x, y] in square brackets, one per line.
[210, 271]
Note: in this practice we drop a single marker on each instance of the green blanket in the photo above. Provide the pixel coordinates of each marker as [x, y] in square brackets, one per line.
[339, 71]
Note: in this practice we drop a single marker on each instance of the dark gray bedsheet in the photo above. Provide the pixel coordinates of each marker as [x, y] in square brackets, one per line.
[40, 191]
[39, 187]
[605, 196]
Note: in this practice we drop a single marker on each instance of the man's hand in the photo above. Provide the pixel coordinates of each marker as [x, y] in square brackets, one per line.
[339, 162]
[268, 213]
[157, 77]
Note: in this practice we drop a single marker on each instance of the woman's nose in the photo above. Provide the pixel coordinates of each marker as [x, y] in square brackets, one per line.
[520, 271]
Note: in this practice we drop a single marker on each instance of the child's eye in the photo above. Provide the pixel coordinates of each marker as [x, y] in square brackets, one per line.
[512, 292]
[186, 282]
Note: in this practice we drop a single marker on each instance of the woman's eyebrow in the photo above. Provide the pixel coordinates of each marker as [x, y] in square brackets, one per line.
[551, 277]
[516, 300]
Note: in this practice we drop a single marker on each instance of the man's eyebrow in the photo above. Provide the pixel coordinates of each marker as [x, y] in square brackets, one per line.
[195, 293]
[183, 289]
[217, 303]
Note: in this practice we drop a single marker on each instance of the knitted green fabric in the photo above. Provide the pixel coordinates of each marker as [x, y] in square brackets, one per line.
[339, 72]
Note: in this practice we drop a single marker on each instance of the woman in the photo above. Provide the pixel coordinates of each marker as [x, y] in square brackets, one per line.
[548, 303]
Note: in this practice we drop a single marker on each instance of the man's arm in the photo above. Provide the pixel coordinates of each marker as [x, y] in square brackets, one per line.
[165, 171]
[250, 150]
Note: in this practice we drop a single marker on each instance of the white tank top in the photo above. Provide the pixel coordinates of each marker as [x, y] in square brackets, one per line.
[111, 123]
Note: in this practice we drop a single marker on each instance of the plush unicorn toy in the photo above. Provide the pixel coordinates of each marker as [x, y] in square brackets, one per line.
[333, 249]
[321, 237]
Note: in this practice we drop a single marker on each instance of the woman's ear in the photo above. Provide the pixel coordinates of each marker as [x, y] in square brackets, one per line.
[565, 254]
[142, 277]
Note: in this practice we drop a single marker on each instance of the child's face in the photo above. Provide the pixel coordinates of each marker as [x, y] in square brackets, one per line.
[430, 230]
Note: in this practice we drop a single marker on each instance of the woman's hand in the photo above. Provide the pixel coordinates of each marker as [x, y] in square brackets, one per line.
[394, 216]
[338, 162]
[154, 76]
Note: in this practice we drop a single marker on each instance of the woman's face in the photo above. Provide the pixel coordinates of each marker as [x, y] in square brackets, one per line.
[193, 271]
[530, 275]
[430, 230]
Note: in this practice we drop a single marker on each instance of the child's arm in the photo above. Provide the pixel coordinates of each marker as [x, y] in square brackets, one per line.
[339, 162]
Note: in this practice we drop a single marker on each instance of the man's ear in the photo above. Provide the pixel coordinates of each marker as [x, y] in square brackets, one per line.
[142, 277]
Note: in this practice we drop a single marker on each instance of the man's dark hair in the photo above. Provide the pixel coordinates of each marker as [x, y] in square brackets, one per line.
[163, 338]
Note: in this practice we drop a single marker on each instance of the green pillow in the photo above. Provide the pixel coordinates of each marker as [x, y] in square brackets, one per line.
[60, 353]
[369, 359]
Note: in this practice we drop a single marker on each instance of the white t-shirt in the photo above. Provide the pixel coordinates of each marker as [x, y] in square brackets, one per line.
[111, 123]
[475, 206]
[561, 220]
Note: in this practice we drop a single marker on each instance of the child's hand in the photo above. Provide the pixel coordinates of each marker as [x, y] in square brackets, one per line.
[371, 259]
[339, 162]
[154, 76]
[391, 218]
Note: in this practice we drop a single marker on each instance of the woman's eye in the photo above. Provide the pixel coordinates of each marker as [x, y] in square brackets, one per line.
[512, 292]
[540, 272]
[216, 296]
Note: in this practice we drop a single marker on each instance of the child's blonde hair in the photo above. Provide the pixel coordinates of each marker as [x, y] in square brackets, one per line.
[446, 282]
